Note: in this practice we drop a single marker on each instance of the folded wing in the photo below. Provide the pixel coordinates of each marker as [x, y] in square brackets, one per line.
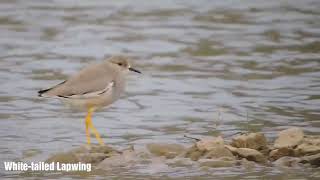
[91, 81]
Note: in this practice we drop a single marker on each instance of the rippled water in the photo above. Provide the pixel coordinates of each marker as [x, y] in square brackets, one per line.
[209, 67]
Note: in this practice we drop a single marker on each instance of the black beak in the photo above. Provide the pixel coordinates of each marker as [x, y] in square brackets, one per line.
[134, 70]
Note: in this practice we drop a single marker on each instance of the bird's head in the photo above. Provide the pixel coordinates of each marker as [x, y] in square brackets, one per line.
[123, 63]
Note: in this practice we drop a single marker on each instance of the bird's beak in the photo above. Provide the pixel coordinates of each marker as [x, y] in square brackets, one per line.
[134, 70]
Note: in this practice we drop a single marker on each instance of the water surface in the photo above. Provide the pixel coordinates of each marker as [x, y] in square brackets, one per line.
[209, 67]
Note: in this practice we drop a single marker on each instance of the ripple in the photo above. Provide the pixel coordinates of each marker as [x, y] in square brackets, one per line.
[209, 67]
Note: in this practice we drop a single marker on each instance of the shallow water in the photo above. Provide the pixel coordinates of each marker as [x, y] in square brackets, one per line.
[209, 67]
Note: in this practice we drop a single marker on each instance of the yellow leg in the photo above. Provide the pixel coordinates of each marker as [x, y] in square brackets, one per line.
[89, 124]
[96, 133]
[88, 120]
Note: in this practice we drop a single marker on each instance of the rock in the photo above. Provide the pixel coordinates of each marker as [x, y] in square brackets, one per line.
[93, 158]
[231, 148]
[125, 159]
[190, 150]
[313, 160]
[287, 161]
[255, 141]
[180, 162]
[215, 163]
[214, 148]
[63, 158]
[249, 154]
[289, 138]
[167, 150]
[85, 154]
[266, 151]
[218, 152]
[309, 146]
[278, 153]
[247, 164]
[156, 166]
[94, 149]
[194, 153]
[209, 143]
[209, 148]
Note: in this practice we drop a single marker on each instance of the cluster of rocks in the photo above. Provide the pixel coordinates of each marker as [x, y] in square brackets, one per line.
[291, 148]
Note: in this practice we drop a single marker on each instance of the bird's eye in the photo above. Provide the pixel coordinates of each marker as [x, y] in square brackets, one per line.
[120, 64]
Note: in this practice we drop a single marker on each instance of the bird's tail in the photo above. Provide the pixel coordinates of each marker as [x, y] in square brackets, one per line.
[41, 92]
[44, 91]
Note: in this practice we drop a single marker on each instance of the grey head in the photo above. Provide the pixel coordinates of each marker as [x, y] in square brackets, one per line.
[123, 63]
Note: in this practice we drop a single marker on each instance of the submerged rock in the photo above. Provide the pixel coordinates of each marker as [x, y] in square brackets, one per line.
[209, 143]
[215, 163]
[309, 146]
[289, 138]
[194, 153]
[313, 160]
[247, 164]
[85, 154]
[156, 165]
[218, 152]
[124, 159]
[167, 150]
[287, 161]
[66, 157]
[180, 162]
[231, 149]
[249, 154]
[255, 141]
[278, 153]
[30, 153]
